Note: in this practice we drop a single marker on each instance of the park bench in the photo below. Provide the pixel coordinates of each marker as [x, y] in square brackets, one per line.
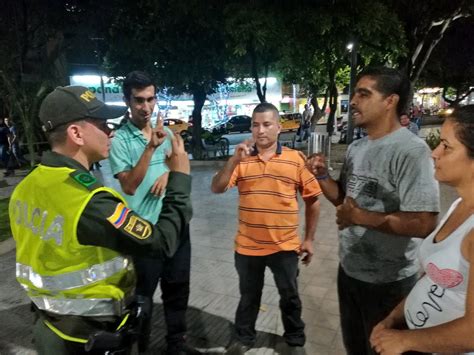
[215, 148]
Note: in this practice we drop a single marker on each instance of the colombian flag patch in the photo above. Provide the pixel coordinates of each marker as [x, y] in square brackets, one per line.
[119, 216]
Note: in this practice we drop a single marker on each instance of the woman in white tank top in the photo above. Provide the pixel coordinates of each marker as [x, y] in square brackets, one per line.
[438, 314]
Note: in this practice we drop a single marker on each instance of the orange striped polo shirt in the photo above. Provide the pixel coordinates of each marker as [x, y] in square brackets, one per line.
[268, 206]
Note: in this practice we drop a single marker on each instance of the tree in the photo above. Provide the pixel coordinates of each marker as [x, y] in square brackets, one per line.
[424, 25]
[34, 43]
[31, 61]
[253, 35]
[320, 32]
[451, 66]
[180, 43]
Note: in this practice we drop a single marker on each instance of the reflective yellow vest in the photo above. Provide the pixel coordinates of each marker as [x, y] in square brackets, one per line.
[59, 274]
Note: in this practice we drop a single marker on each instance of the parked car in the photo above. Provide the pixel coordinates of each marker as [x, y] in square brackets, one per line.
[239, 123]
[175, 124]
[290, 121]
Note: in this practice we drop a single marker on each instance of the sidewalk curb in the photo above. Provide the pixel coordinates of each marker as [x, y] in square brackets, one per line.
[7, 245]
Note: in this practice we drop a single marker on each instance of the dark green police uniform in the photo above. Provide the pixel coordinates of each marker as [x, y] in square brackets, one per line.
[106, 222]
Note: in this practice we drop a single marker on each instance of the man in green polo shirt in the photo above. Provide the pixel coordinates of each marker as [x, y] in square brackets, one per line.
[140, 167]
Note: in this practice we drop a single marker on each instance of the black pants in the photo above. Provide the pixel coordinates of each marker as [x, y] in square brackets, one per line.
[173, 275]
[362, 305]
[251, 270]
[4, 154]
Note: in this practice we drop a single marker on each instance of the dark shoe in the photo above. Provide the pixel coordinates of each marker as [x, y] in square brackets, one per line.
[9, 173]
[236, 348]
[181, 349]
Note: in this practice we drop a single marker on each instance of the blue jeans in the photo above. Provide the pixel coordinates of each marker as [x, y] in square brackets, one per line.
[362, 305]
[173, 275]
[251, 270]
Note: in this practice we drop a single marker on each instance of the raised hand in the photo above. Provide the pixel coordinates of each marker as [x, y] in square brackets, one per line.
[316, 163]
[158, 134]
[243, 150]
[178, 161]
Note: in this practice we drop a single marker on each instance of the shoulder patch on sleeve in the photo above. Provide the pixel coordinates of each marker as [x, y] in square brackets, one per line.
[119, 216]
[85, 179]
[138, 227]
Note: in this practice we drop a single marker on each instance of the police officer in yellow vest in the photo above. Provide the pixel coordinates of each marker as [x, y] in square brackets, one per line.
[74, 235]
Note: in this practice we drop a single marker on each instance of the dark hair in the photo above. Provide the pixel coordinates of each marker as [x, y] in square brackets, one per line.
[266, 107]
[463, 117]
[58, 135]
[391, 81]
[136, 80]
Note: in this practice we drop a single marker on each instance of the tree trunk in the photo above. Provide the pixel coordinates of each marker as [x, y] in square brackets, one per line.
[199, 97]
[317, 113]
[333, 107]
[254, 69]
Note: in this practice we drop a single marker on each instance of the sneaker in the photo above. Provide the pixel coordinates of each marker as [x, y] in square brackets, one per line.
[9, 173]
[236, 348]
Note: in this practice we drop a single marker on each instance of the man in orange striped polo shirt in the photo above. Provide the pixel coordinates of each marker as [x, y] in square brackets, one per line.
[268, 177]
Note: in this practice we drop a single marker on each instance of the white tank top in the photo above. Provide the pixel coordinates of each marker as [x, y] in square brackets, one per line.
[440, 295]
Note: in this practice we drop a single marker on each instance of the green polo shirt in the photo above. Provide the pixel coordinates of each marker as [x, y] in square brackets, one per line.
[127, 147]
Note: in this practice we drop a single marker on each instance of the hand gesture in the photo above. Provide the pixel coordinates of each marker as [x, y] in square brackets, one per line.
[306, 252]
[345, 213]
[316, 163]
[243, 150]
[178, 160]
[159, 186]
[158, 134]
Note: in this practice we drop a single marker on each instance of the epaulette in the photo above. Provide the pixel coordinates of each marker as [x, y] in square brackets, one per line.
[85, 179]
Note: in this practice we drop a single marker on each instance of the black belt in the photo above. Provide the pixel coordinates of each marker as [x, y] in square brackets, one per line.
[116, 341]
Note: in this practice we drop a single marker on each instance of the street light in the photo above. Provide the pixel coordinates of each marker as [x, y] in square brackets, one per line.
[352, 47]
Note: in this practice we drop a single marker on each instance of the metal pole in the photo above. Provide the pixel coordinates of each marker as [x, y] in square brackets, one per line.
[294, 98]
[102, 87]
[350, 121]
